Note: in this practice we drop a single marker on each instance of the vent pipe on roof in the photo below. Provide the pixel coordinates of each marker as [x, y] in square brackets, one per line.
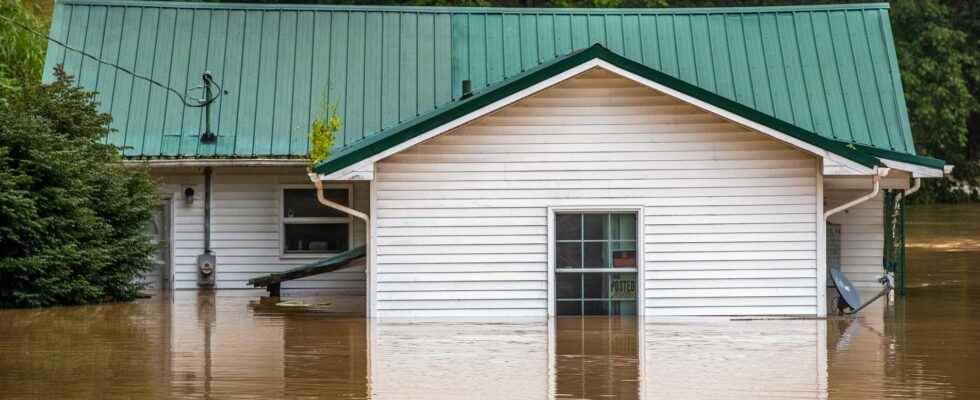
[467, 89]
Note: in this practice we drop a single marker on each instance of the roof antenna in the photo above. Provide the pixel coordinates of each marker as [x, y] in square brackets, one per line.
[207, 136]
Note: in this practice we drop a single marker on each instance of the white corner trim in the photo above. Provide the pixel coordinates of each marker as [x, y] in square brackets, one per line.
[371, 278]
[551, 262]
[821, 248]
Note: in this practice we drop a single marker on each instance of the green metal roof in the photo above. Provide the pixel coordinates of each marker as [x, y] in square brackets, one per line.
[391, 137]
[827, 69]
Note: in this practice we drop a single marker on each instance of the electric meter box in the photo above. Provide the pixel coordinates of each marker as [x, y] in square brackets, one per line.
[206, 269]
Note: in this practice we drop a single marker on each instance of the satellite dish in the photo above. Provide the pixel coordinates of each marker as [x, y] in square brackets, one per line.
[846, 289]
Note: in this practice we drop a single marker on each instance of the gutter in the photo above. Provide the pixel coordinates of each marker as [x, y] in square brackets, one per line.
[218, 162]
[878, 173]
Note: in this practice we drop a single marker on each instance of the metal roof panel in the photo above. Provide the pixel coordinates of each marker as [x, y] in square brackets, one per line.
[830, 69]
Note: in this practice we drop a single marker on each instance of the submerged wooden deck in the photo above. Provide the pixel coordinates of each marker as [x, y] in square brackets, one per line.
[273, 282]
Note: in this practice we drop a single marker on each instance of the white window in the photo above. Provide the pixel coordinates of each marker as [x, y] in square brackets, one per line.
[309, 227]
[595, 263]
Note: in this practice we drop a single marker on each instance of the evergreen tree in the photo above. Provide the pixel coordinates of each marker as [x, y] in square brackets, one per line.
[72, 216]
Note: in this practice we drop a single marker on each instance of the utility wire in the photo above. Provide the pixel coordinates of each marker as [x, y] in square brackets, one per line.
[207, 76]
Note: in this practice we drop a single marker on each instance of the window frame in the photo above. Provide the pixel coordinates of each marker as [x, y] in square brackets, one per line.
[553, 269]
[283, 220]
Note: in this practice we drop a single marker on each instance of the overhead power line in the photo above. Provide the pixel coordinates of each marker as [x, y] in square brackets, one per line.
[206, 76]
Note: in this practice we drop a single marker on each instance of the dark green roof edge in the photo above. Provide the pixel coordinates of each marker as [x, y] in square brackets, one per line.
[384, 140]
[903, 157]
[464, 10]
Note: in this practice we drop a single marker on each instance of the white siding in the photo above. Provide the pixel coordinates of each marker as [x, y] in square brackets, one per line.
[730, 214]
[245, 232]
[862, 234]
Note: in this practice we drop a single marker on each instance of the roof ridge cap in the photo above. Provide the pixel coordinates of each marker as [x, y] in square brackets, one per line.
[471, 10]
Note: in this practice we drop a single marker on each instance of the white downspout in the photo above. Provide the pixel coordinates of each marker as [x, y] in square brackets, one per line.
[916, 185]
[350, 211]
[878, 173]
[339, 207]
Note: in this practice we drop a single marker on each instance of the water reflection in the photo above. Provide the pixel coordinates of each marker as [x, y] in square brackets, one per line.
[925, 345]
[596, 357]
[227, 346]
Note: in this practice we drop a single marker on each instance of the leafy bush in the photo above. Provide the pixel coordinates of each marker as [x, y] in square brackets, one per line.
[72, 216]
[322, 130]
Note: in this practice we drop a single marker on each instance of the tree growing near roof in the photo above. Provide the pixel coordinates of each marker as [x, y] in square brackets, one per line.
[72, 216]
[322, 130]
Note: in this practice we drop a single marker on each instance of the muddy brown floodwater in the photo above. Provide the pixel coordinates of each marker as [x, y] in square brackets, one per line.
[925, 345]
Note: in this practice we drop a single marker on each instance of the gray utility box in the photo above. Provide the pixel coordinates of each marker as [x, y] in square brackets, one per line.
[206, 269]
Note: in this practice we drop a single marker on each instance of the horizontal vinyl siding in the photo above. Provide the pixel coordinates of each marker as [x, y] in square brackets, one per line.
[245, 231]
[730, 214]
[862, 234]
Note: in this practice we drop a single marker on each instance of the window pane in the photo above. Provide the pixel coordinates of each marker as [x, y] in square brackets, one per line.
[569, 308]
[569, 226]
[316, 238]
[302, 203]
[569, 255]
[595, 226]
[623, 254]
[622, 227]
[595, 255]
[595, 307]
[594, 287]
[569, 286]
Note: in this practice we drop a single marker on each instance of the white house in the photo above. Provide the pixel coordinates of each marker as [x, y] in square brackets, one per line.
[514, 162]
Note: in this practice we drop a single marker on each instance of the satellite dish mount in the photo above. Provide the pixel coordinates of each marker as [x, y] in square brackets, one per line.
[208, 136]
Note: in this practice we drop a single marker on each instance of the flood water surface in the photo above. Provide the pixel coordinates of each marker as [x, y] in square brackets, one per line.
[924, 345]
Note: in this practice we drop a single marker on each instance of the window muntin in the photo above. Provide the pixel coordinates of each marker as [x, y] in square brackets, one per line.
[309, 227]
[596, 265]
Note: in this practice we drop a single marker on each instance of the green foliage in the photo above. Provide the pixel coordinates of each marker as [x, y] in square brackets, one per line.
[22, 53]
[72, 216]
[938, 59]
[322, 131]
